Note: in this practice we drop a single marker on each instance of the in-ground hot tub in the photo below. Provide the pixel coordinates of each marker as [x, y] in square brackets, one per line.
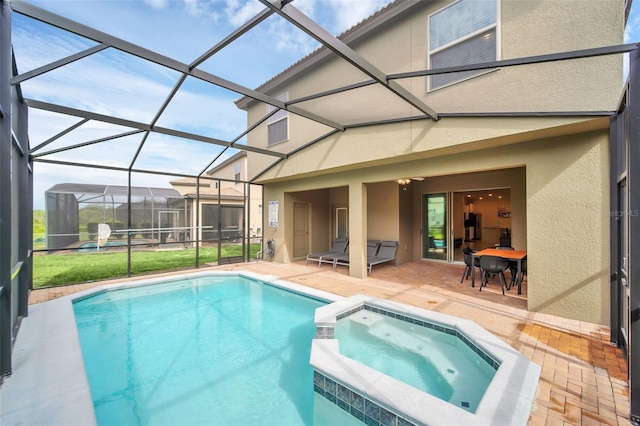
[399, 342]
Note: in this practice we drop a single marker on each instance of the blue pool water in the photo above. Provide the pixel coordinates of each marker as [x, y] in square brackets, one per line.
[92, 246]
[432, 361]
[207, 351]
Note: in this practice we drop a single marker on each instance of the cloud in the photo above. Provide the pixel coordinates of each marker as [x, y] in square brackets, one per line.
[117, 84]
[36, 45]
[347, 13]
[631, 33]
[238, 12]
[632, 30]
[336, 16]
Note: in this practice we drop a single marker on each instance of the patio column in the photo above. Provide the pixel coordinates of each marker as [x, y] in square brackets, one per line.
[358, 230]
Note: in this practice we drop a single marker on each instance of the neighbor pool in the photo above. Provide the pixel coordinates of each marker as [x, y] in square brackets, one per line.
[92, 246]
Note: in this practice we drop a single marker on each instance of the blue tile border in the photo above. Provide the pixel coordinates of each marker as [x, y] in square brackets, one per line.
[360, 407]
[325, 332]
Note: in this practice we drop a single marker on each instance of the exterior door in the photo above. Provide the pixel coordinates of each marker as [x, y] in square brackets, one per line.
[300, 229]
[623, 253]
[435, 226]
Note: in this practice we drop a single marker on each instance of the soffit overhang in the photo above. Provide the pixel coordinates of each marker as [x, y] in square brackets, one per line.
[504, 131]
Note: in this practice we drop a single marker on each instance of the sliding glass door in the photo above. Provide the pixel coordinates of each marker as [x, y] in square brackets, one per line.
[435, 214]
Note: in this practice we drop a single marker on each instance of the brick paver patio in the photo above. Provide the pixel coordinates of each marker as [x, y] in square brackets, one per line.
[584, 376]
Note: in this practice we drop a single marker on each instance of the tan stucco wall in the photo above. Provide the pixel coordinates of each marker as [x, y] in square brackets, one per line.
[527, 27]
[401, 142]
[560, 200]
[383, 213]
[559, 193]
[568, 227]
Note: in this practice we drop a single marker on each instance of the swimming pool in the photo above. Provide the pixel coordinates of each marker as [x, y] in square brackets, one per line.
[212, 350]
[343, 390]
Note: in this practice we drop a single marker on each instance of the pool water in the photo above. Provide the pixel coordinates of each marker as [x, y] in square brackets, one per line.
[432, 361]
[204, 351]
[92, 246]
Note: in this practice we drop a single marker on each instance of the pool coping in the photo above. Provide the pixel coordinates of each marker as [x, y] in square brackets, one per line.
[507, 401]
[49, 384]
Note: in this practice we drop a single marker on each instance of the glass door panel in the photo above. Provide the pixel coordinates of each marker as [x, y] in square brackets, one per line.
[434, 226]
[342, 222]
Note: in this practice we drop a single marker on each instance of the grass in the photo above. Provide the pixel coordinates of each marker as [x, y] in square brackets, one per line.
[38, 229]
[62, 269]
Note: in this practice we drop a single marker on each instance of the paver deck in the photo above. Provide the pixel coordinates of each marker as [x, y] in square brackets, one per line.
[584, 376]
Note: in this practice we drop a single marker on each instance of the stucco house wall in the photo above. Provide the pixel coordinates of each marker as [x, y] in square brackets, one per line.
[556, 166]
[526, 28]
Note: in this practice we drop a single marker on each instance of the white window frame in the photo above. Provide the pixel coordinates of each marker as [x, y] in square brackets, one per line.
[271, 120]
[471, 35]
[342, 213]
[237, 172]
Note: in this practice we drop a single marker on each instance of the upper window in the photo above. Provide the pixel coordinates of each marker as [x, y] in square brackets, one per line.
[278, 123]
[460, 34]
[237, 172]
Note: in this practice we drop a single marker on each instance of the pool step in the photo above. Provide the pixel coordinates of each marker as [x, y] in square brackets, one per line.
[365, 319]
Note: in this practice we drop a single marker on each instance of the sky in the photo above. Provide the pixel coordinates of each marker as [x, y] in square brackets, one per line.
[113, 83]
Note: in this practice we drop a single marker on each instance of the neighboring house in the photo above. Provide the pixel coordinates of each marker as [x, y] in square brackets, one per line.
[221, 201]
[538, 132]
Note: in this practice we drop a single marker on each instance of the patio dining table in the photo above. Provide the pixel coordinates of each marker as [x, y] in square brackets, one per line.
[516, 255]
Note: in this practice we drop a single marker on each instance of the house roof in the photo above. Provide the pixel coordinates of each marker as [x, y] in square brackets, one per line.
[119, 190]
[228, 161]
[225, 193]
[192, 181]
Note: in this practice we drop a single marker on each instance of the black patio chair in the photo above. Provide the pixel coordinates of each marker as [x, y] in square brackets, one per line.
[523, 271]
[493, 265]
[466, 252]
[513, 265]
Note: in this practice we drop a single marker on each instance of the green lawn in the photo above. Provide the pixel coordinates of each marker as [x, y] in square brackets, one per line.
[61, 269]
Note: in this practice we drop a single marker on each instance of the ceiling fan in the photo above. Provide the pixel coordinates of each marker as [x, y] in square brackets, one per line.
[407, 181]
